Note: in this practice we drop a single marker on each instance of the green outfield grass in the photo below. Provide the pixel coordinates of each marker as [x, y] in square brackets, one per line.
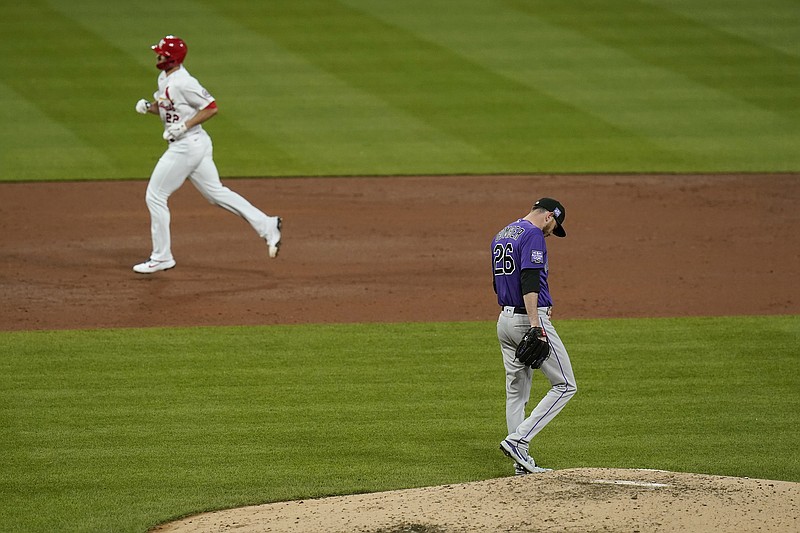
[370, 87]
[117, 430]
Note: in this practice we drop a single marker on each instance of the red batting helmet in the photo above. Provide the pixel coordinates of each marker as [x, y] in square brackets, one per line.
[172, 49]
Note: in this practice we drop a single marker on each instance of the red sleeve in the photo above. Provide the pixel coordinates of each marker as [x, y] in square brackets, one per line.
[212, 105]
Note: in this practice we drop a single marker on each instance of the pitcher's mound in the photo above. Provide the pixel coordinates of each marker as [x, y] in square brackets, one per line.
[579, 500]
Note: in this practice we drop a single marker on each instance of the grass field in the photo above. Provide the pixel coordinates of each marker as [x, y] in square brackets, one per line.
[366, 87]
[115, 430]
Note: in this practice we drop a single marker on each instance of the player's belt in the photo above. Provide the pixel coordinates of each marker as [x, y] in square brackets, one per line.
[517, 310]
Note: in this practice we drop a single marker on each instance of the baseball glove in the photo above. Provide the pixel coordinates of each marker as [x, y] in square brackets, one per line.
[533, 349]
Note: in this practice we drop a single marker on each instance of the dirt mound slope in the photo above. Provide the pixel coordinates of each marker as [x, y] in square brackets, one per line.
[573, 500]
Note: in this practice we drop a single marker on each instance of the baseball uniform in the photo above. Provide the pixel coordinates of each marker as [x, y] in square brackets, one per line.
[189, 155]
[518, 248]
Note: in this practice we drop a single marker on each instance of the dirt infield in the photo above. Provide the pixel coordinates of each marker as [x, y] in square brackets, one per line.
[416, 249]
[403, 249]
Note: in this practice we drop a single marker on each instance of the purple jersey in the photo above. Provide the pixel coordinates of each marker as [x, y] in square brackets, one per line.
[519, 246]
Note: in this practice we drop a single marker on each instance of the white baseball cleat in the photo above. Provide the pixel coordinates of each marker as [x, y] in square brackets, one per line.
[521, 458]
[150, 266]
[273, 238]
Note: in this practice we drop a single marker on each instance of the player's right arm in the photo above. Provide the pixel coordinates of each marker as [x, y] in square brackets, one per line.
[531, 298]
[532, 261]
[145, 106]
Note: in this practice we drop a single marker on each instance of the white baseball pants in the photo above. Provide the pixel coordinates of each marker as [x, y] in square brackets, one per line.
[191, 157]
[557, 369]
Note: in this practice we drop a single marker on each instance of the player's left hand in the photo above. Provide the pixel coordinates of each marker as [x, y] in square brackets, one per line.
[534, 349]
[175, 132]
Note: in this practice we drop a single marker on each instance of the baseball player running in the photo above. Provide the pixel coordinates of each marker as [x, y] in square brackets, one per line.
[519, 261]
[184, 105]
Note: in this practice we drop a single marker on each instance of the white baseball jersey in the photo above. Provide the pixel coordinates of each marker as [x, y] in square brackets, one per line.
[179, 97]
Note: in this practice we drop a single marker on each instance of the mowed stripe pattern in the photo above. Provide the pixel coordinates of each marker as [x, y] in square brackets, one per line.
[365, 87]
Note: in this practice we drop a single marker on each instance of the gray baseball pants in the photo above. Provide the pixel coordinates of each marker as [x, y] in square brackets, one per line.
[557, 369]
